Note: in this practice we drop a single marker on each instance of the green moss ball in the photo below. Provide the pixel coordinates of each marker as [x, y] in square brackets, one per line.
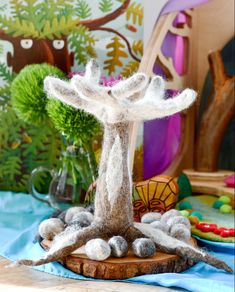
[184, 205]
[184, 213]
[197, 214]
[217, 204]
[73, 123]
[225, 199]
[27, 92]
[226, 209]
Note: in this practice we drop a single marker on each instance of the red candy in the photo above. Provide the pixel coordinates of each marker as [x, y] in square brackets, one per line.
[225, 233]
[222, 231]
[232, 231]
[219, 230]
[206, 227]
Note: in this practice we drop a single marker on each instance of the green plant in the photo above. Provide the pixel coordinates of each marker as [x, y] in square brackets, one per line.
[28, 96]
[76, 125]
[105, 5]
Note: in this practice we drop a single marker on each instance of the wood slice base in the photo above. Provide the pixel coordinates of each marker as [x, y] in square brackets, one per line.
[123, 268]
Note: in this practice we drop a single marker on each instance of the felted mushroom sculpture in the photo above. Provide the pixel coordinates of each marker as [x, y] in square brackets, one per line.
[134, 99]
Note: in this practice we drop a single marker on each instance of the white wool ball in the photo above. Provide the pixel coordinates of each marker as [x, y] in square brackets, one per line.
[181, 232]
[83, 218]
[178, 220]
[150, 217]
[50, 227]
[97, 249]
[169, 214]
[71, 212]
[159, 225]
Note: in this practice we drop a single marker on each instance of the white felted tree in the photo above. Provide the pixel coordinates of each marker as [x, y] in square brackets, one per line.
[116, 107]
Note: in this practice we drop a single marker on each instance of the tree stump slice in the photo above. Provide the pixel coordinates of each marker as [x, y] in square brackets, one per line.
[123, 268]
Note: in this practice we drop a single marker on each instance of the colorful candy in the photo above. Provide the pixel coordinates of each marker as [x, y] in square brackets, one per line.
[184, 205]
[225, 199]
[197, 214]
[226, 209]
[222, 231]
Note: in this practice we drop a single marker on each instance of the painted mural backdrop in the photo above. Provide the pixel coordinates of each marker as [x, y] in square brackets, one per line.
[66, 34]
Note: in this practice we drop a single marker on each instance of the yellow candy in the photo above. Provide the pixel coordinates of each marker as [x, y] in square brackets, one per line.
[193, 220]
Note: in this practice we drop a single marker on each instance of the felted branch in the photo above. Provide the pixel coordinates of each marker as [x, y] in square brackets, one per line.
[148, 109]
[172, 245]
[130, 86]
[56, 88]
[64, 245]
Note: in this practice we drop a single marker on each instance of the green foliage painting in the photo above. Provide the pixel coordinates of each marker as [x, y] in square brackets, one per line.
[65, 33]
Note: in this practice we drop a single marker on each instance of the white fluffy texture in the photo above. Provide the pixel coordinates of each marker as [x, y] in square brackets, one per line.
[159, 225]
[178, 220]
[92, 71]
[71, 212]
[83, 215]
[169, 214]
[118, 103]
[181, 232]
[97, 249]
[150, 108]
[150, 217]
[50, 227]
[62, 241]
[114, 175]
[130, 86]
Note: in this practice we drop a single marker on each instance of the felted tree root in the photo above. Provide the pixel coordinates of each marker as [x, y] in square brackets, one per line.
[116, 107]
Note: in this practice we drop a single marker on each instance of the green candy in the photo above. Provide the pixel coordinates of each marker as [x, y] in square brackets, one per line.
[185, 213]
[197, 214]
[225, 199]
[226, 209]
[184, 205]
[217, 204]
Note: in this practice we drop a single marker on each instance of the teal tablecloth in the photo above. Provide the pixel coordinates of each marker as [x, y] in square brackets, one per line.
[20, 215]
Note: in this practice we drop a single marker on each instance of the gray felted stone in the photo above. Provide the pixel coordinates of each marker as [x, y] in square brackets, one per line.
[181, 232]
[83, 219]
[97, 249]
[169, 214]
[71, 212]
[50, 227]
[119, 246]
[159, 225]
[150, 217]
[91, 208]
[143, 247]
[178, 220]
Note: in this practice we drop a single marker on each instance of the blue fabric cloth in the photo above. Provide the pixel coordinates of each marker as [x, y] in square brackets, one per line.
[20, 215]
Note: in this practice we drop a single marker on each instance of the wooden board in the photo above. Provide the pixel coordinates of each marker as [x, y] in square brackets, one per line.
[123, 268]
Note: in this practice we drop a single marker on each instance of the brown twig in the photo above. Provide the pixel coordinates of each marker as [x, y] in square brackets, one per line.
[92, 24]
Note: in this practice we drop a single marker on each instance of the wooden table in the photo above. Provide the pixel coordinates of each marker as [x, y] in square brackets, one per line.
[26, 279]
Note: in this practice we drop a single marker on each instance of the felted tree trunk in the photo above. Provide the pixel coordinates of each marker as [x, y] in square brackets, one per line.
[113, 204]
[130, 100]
